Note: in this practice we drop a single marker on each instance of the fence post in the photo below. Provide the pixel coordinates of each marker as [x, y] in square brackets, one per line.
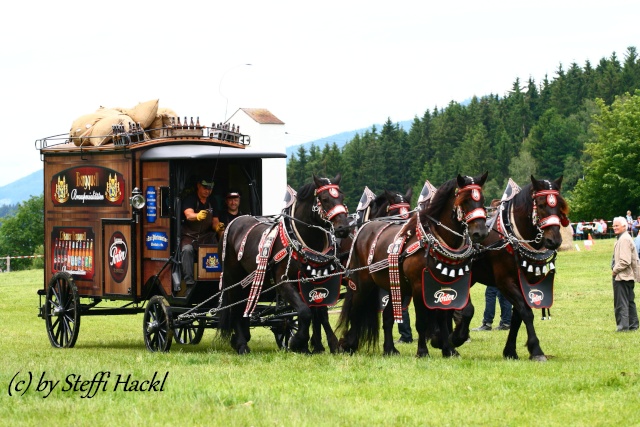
[8, 263]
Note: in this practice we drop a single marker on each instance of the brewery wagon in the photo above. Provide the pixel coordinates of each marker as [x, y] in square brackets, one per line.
[112, 218]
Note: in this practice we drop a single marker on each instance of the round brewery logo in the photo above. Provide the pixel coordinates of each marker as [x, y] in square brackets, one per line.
[445, 296]
[318, 295]
[536, 296]
[117, 257]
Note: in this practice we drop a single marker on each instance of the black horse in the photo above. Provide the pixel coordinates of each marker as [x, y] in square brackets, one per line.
[261, 250]
[386, 204]
[433, 246]
[519, 259]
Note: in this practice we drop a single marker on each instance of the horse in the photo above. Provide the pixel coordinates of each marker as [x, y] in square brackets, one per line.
[433, 246]
[255, 249]
[386, 204]
[519, 259]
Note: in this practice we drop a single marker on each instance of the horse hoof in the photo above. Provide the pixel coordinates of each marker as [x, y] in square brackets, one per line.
[422, 354]
[243, 349]
[539, 358]
[452, 353]
[393, 352]
[318, 350]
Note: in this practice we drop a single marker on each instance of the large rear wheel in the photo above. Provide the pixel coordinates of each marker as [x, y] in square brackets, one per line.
[157, 324]
[62, 311]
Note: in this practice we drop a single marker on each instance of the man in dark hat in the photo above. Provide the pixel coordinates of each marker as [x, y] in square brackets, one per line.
[200, 225]
[232, 201]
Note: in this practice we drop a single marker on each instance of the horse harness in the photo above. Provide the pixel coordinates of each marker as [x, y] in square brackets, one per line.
[448, 259]
[529, 259]
[318, 264]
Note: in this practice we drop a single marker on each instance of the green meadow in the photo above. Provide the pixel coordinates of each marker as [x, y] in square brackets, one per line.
[592, 377]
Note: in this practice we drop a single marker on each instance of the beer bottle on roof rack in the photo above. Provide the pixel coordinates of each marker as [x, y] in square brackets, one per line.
[198, 123]
[191, 124]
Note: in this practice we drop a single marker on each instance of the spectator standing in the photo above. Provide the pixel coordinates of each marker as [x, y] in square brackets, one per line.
[580, 230]
[404, 328]
[603, 223]
[625, 271]
[490, 295]
[629, 220]
[635, 226]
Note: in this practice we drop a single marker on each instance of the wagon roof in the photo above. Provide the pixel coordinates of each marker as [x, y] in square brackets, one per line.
[199, 151]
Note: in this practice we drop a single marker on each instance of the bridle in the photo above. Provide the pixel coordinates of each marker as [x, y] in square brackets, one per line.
[552, 201]
[476, 195]
[334, 191]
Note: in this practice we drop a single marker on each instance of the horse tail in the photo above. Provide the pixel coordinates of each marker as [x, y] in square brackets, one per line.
[359, 315]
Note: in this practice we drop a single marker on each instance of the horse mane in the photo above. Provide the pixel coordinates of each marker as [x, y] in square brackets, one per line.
[306, 191]
[440, 199]
[523, 202]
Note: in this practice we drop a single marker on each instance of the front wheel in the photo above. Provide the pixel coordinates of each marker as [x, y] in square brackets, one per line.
[189, 334]
[157, 325]
[62, 311]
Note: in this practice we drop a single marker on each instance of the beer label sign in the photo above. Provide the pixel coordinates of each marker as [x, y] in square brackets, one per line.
[118, 257]
[87, 186]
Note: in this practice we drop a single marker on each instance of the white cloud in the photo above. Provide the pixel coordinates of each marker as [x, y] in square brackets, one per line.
[322, 68]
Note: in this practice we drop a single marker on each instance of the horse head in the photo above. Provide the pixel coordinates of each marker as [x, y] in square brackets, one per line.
[549, 211]
[390, 203]
[329, 204]
[469, 207]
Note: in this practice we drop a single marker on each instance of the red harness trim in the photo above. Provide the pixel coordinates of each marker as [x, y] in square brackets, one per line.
[336, 210]
[372, 249]
[394, 275]
[264, 252]
[475, 214]
[403, 209]
[549, 221]
[329, 187]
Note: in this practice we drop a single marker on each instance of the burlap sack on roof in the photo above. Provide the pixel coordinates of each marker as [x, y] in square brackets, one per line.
[163, 118]
[83, 125]
[102, 131]
[144, 113]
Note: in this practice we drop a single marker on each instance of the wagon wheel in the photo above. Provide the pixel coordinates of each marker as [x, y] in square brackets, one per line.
[62, 311]
[156, 325]
[285, 331]
[190, 334]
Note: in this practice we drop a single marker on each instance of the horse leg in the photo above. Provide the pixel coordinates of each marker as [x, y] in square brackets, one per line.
[389, 348]
[462, 320]
[523, 313]
[443, 318]
[421, 328]
[317, 319]
[241, 333]
[299, 342]
[332, 339]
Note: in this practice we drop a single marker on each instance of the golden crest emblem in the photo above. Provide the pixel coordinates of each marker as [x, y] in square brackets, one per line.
[113, 192]
[62, 190]
[212, 262]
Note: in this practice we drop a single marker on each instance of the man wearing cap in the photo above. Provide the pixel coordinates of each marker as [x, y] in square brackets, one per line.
[200, 225]
[233, 207]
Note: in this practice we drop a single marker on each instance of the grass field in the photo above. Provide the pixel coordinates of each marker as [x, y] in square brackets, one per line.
[592, 377]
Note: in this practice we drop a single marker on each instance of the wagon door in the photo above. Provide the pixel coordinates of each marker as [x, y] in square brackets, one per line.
[118, 251]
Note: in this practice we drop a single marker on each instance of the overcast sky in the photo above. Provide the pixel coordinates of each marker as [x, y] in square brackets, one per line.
[321, 67]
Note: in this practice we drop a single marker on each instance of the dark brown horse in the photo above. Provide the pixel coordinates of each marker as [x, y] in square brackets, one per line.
[386, 204]
[519, 259]
[434, 246]
[262, 256]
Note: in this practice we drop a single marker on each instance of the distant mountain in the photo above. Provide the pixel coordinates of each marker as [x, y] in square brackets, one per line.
[22, 189]
[341, 138]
